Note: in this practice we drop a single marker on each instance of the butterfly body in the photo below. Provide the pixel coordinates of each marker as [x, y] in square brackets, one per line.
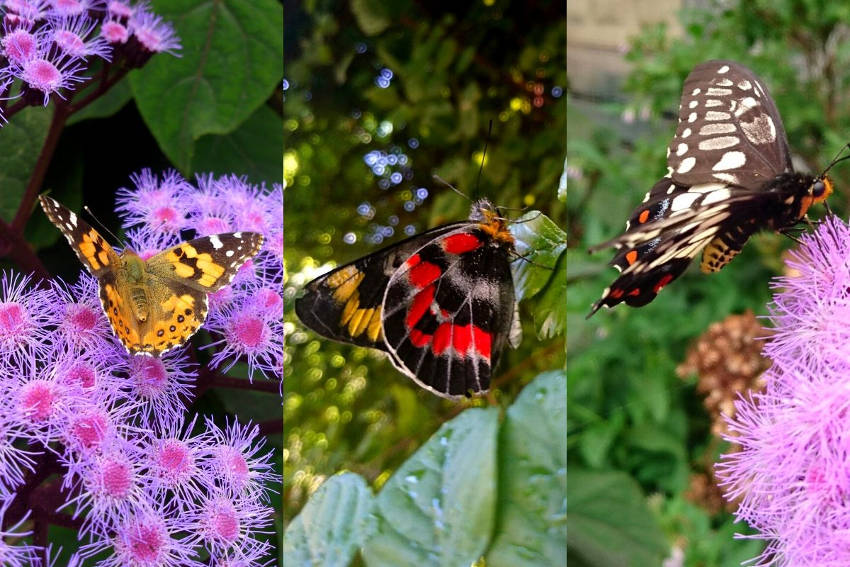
[729, 176]
[155, 304]
[441, 304]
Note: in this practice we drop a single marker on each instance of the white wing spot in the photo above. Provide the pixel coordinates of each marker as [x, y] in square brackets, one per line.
[719, 143]
[713, 91]
[683, 201]
[671, 189]
[706, 187]
[713, 115]
[747, 103]
[645, 197]
[669, 169]
[229, 253]
[730, 160]
[692, 117]
[760, 131]
[723, 69]
[727, 178]
[686, 165]
[216, 243]
[686, 132]
[237, 234]
[724, 83]
[713, 102]
[716, 196]
[693, 104]
[745, 85]
[682, 149]
[714, 129]
[695, 92]
[668, 151]
[72, 219]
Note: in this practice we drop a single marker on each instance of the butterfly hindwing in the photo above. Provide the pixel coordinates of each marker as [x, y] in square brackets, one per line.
[448, 312]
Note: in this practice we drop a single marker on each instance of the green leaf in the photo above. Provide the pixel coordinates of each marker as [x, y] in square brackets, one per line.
[254, 149]
[438, 508]
[230, 63]
[550, 312]
[532, 527]
[540, 243]
[373, 16]
[609, 521]
[332, 525]
[106, 104]
[20, 144]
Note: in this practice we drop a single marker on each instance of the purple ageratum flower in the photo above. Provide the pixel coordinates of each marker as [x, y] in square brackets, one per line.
[228, 523]
[251, 327]
[29, 10]
[49, 72]
[114, 32]
[158, 204]
[145, 536]
[153, 33]
[19, 44]
[235, 461]
[792, 472]
[119, 9]
[15, 458]
[252, 554]
[146, 241]
[163, 385]
[13, 552]
[74, 37]
[73, 8]
[82, 324]
[24, 318]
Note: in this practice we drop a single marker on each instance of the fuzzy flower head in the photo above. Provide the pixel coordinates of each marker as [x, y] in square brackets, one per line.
[75, 37]
[19, 44]
[73, 8]
[14, 553]
[159, 203]
[48, 73]
[792, 473]
[153, 33]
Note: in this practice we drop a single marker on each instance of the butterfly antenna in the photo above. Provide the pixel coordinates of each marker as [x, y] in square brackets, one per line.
[483, 156]
[103, 226]
[836, 159]
[452, 187]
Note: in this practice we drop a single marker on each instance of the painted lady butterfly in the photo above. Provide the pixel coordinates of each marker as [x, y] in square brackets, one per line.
[155, 305]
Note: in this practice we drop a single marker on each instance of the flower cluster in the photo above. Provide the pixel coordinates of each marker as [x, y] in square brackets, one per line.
[142, 481]
[792, 473]
[46, 46]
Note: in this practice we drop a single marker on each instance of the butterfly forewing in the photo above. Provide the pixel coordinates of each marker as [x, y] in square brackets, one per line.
[729, 129]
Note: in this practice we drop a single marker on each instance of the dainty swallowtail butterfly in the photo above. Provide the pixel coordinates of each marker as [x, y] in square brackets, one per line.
[729, 175]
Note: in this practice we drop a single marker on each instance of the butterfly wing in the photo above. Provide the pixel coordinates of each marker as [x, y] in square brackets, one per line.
[91, 248]
[448, 311]
[729, 130]
[177, 283]
[344, 304]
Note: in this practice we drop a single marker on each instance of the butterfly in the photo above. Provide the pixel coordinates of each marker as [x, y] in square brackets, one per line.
[441, 303]
[155, 305]
[729, 175]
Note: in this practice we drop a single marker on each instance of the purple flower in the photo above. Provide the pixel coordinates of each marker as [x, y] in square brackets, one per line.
[154, 34]
[792, 473]
[163, 385]
[71, 8]
[23, 320]
[29, 10]
[227, 522]
[234, 459]
[74, 37]
[49, 71]
[119, 9]
[13, 552]
[19, 44]
[160, 205]
[81, 322]
[114, 32]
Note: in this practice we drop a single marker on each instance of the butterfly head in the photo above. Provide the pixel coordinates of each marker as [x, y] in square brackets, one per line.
[820, 188]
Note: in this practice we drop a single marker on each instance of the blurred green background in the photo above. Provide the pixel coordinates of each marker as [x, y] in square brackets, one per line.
[636, 429]
[379, 97]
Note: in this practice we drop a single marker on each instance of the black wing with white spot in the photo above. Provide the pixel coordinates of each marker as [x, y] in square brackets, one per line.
[729, 129]
[729, 175]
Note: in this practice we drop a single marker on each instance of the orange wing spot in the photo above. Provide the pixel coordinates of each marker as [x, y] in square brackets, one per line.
[345, 283]
[662, 282]
[631, 257]
[211, 271]
[89, 251]
[183, 270]
[644, 216]
[103, 257]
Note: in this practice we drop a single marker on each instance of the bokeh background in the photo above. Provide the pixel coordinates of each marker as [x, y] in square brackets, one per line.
[646, 386]
[379, 97]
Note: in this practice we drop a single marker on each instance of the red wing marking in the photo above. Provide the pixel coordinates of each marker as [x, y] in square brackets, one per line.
[662, 282]
[418, 338]
[442, 338]
[616, 294]
[419, 306]
[635, 291]
[424, 274]
[460, 243]
[412, 261]
[461, 338]
[631, 256]
[643, 216]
